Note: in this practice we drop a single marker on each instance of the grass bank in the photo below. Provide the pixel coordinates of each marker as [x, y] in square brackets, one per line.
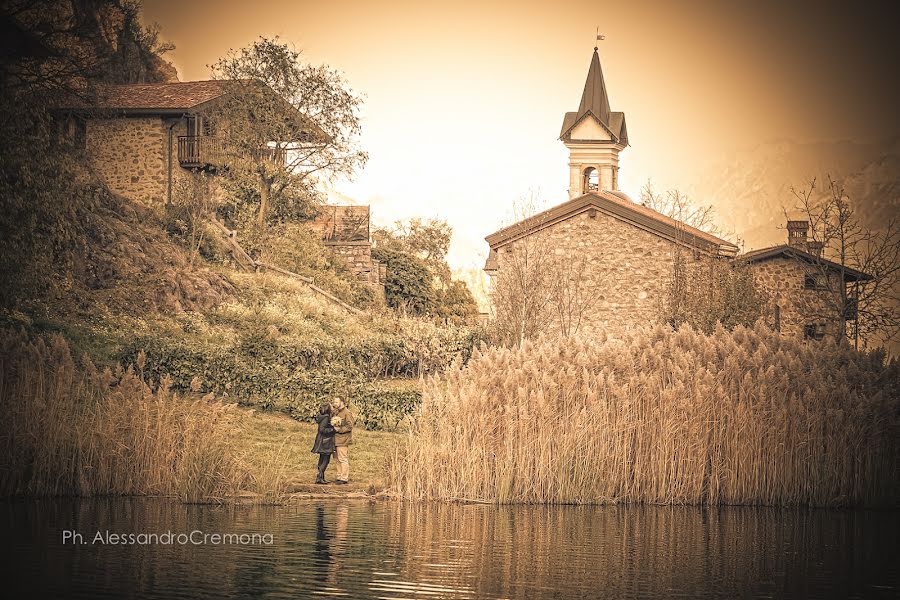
[743, 417]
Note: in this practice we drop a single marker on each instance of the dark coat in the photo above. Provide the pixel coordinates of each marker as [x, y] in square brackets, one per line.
[324, 443]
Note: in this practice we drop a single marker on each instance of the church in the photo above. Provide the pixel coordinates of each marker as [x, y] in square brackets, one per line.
[616, 257]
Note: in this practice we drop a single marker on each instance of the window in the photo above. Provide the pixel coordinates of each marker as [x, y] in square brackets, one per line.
[591, 180]
[209, 127]
[814, 331]
[814, 281]
[72, 132]
[777, 317]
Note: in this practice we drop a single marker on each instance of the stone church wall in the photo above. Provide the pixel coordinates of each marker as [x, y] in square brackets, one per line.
[629, 267]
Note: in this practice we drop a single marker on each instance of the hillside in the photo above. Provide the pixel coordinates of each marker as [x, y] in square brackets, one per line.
[128, 292]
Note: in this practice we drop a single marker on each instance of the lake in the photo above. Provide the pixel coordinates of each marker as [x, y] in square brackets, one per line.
[352, 549]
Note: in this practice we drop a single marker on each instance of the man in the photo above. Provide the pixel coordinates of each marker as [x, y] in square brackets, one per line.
[342, 439]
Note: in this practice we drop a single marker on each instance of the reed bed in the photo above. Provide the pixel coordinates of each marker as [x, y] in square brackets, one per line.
[69, 428]
[742, 417]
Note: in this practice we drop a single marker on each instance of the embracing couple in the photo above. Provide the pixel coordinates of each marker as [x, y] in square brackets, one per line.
[334, 436]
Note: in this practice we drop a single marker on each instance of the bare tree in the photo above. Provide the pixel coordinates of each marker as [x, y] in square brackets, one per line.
[678, 206]
[573, 296]
[868, 308]
[522, 290]
[540, 289]
[291, 125]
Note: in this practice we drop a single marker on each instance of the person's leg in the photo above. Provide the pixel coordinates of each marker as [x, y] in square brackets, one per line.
[343, 458]
[324, 459]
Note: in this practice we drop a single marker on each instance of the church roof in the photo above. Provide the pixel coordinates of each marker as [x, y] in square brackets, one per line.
[595, 102]
[619, 206]
[788, 251]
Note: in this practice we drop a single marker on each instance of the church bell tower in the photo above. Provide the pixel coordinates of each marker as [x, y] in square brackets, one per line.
[594, 136]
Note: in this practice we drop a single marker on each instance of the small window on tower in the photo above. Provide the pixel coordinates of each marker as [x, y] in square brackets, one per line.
[591, 180]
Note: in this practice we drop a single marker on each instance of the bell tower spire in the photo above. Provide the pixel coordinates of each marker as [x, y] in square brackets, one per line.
[594, 136]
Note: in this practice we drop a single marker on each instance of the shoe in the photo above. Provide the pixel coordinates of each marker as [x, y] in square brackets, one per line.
[321, 482]
[341, 482]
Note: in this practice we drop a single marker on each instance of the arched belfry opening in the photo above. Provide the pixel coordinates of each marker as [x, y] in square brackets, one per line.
[591, 181]
[594, 136]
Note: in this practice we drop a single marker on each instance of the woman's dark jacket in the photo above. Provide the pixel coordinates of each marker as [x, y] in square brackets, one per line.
[325, 436]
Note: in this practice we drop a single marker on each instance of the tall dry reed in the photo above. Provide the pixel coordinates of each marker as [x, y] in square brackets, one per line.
[69, 428]
[742, 417]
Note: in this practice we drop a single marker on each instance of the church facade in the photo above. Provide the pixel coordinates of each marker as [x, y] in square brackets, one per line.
[611, 260]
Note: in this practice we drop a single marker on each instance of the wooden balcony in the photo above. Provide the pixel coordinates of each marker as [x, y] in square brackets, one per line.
[199, 152]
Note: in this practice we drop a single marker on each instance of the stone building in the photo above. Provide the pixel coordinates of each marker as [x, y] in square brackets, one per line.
[142, 138]
[807, 293]
[345, 230]
[624, 254]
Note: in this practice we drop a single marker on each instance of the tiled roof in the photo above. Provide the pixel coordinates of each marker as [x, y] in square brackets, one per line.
[182, 95]
[788, 251]
[619, 206]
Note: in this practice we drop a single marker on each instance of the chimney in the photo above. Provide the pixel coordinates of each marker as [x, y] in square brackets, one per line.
[797, 234]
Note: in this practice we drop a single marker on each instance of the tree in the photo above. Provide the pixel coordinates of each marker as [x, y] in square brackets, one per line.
[429, 240]
[711, 292]
[194, 200]
[836, 236]
[678, 206]
[288, 125]
[408, 285]
[426, 242]
[539, 291]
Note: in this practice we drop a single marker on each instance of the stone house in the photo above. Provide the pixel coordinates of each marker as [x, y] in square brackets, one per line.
[624, 254]
[807, 293]
[345, 230]
[142, 138]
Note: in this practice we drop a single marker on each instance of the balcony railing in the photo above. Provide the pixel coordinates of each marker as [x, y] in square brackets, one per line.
[196, 151]
[205, 151]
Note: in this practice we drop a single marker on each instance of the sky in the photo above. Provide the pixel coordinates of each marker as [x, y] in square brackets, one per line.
[463, 101]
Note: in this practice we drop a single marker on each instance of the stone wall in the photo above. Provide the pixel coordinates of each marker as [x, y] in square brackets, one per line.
[358, 258]
[792, 306]
[129, 154]
[629, 267]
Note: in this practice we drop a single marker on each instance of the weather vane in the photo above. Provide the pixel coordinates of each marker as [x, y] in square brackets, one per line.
[599, 37]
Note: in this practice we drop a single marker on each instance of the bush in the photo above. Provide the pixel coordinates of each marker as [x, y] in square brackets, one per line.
[408, 283]
[263, 364]
[740, 417]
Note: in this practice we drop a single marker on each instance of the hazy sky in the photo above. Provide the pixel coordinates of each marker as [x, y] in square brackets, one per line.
[464, 100]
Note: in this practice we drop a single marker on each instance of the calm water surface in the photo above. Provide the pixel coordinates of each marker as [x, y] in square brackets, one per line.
[358, 549]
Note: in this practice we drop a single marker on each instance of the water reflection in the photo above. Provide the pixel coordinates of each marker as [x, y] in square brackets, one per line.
[401, 550]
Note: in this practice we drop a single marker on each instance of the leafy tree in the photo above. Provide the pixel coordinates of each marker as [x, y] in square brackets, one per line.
[287, 125]
[429, 240]
[455, 303]
[408, 286]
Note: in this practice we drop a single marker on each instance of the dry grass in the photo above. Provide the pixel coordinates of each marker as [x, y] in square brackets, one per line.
[72, 429]
[673, 418]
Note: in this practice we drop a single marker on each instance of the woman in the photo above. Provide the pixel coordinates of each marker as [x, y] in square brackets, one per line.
[324, 445]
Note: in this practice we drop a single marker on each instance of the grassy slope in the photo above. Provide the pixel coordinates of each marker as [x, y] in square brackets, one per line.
[270, 436]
